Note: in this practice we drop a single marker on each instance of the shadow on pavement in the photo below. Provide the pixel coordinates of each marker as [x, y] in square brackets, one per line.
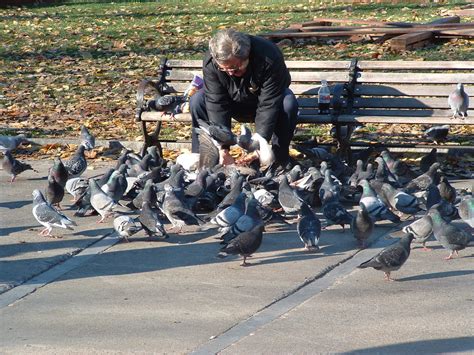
[7, 231]
[437, 275]
[11, 205]
[432, 346]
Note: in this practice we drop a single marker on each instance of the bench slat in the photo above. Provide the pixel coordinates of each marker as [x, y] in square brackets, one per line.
[420, 78]
[408, 90]
[292, 64]
[386, 119]
[414, 65]
[406, 113]
[392, 102]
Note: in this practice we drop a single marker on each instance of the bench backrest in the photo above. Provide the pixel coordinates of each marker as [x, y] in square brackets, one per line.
[403, 91]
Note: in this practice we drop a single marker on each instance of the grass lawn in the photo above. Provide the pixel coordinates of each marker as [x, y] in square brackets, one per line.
[81, 62]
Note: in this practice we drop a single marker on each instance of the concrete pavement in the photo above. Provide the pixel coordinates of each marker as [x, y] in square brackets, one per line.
[175, 296]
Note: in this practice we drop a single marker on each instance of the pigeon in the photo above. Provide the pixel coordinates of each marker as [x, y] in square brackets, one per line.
[115, 186]
[147, 194]
[362, 226]
[245, 141]
[329, 189]
[354, 178]
[196, 189]
[246, 221]
[400, 200]
[244, 244]
[448, 235]
[49, 217]
[438, 134]
[316, 154]
[421, 229]
[309, 228]
[288, 198]
[208, 150]
[446, 190]
[422, 182]
[125, 226]
[13, 166]
[237, 182]
[391, 258]
[220, 133]
[266, 155]
[54, 192]
[8, 143]
[176, 212]
[76, 186]
[400, 170]
[150, 221]
[87, 139]
[448, 210]
[296, 173]
[428, 160]
[230, 215]
[383, 173]
[375, 207]
[59, 172]
[77, 164]
[100, 201]
[335, 213]
[458, 100]
[466, 210]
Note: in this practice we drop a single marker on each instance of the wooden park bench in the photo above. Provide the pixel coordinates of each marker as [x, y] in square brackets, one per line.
[363, 92]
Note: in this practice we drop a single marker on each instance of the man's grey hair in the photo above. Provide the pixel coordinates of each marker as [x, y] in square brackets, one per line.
[229, 43]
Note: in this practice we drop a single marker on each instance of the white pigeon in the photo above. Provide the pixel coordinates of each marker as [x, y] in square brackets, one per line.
[100, 201]
[48, 216]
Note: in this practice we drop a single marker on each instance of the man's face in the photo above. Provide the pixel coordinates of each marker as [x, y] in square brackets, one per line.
[234, 66]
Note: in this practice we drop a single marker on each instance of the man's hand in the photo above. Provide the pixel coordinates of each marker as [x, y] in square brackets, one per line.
[225, 158]
[247, 159]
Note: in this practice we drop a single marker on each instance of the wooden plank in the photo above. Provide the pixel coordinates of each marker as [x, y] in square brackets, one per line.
[395, 102]
[363, 22]
[406, 40]
[405, 120]
[442, 20]
[455, 33]
[419, 78]
[360, 31]
[344, 64]
[403, 113]
[416, 64]
[405, 90]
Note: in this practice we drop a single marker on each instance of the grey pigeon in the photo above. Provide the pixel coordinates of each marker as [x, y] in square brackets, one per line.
[400, 200]
[100, 201]
[329, 189]
[422, 182]
[421, 229]
[446, 190]
[448, 235]
[151, 222]
[288, 198]
[230, 215]
[295, 173]
[458, 100]
[244, 244]
[59, 172]
[438, 133]
[54, 192]
[362, 226]
[115, 186]
[246, 221]
[314, 153]
[375, 207]
[354, 178]
[447, 210]
[383, 173]
[47, 215]
[400, 170]
[391, 258]
[335, 213]
[147, 194]
[428, 160]
[13, 166]
[309, 228]
[125, 226]
[12, 142]
[77, 164]
[466, 210]
[87, 139]
[176, 212]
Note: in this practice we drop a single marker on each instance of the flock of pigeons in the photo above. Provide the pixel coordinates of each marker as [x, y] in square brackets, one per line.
[142, 192]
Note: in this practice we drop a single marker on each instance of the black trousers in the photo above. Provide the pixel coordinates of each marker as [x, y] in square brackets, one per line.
[284, 128]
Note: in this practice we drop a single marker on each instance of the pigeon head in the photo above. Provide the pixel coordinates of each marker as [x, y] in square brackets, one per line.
[460, 87]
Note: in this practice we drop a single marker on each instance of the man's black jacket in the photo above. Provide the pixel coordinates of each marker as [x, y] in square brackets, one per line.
[261, 87]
